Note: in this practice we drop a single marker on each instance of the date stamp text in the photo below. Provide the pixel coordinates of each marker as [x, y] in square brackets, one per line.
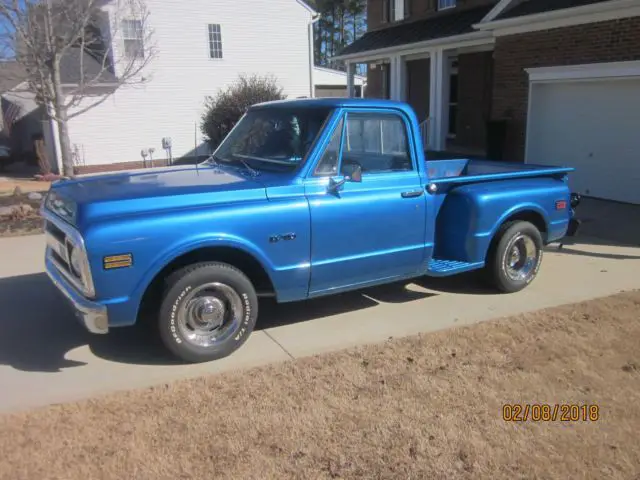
[546, 412]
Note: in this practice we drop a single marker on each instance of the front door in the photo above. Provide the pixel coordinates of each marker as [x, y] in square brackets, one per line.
[369, 231]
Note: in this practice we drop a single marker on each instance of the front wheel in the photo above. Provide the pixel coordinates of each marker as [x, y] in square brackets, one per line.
[208, 311]
[515, 257]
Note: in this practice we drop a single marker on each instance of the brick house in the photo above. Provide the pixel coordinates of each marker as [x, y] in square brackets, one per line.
[540, 81]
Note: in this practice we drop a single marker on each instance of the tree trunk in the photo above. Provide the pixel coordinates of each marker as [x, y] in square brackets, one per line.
[43, 160]
[342, 28]
[355, 23]
[65, 143]
[61, 119]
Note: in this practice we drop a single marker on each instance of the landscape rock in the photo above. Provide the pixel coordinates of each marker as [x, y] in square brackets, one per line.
[17, 192]
[34, 196]
[6, 211]
[24, 208]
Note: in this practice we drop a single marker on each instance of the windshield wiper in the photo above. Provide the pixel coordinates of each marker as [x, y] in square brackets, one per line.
[252, 172]
[212, 160]
[215, 161]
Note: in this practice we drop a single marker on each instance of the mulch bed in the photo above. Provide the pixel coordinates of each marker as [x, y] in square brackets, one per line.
[26, 222]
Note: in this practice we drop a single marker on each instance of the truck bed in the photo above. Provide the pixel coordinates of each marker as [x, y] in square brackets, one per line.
[464, 170]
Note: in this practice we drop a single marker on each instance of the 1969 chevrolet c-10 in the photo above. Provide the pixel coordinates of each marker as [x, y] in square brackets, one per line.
[303, 198]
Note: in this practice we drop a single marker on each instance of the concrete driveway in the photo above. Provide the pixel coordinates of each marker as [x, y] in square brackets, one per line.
[45, 357]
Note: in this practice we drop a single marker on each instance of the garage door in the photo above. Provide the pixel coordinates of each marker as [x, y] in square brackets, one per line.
[593, 126]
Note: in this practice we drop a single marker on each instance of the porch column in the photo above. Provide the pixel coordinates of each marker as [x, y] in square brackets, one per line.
[438, 105]
[397, 78]
[351, 72]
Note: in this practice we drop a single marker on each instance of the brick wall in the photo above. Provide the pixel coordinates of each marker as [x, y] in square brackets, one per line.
[133, 165]
[375, 81]
[474, 98]
[418, 73]
[374, 14]
[116, 167]
[612, 41]
[418, 9]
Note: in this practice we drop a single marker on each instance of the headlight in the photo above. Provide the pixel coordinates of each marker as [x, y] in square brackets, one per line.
[79, 266]
[62, 207]
[77, 261]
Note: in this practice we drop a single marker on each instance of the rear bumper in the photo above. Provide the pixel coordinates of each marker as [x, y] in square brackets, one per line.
[574, 225]
[92, 315]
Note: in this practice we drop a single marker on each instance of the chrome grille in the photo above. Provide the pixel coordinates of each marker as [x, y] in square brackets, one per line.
[59, 249]
[61, 238]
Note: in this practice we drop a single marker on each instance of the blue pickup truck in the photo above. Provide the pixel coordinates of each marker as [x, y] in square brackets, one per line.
[304, 198]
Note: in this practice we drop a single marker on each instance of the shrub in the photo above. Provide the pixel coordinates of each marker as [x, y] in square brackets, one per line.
[224, 110]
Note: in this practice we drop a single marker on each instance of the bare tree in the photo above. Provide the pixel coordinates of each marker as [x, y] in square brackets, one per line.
[76, 53]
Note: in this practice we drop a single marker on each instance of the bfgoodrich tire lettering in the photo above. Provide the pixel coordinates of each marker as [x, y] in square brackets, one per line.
[208, 311]
[515, 256]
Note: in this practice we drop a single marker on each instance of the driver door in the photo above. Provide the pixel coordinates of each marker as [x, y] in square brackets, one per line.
[370, 231]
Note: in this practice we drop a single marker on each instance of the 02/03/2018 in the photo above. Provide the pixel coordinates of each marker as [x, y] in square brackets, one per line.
[545, 412]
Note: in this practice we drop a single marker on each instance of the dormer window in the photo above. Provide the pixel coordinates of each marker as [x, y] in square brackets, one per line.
[395, 10]
[445, 4]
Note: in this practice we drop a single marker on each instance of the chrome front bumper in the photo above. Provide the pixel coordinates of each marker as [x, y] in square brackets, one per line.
[92, 315]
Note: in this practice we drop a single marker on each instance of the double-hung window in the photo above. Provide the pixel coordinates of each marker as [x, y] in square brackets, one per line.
[215, 41]
[133, 38]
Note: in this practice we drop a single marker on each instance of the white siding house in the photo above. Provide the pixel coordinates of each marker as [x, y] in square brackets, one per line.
[202, 46]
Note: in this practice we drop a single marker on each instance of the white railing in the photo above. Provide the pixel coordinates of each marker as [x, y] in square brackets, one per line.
[424, 132]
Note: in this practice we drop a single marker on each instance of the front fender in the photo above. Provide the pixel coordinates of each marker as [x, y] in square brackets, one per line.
[197, 242]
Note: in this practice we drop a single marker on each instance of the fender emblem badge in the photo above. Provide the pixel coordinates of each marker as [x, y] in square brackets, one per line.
[286, 237]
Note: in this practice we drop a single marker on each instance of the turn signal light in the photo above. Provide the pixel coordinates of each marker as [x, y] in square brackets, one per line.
[117, 261]
[561, 204]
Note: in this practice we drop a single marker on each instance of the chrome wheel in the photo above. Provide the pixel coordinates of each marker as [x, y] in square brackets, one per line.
[521, 258]
[209, 314]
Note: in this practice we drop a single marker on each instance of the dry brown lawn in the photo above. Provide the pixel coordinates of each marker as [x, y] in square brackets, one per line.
[422, 407]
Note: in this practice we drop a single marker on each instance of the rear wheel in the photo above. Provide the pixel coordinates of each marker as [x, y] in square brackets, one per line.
[208, 311]
[515, 257]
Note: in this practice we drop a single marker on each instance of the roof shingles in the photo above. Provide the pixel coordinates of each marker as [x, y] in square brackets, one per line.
[439, 26]
[531, 7]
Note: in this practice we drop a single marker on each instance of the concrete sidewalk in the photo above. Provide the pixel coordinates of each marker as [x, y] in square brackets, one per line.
[46, 357]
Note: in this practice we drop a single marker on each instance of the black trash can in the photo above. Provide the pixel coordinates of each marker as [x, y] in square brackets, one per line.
[496, 136]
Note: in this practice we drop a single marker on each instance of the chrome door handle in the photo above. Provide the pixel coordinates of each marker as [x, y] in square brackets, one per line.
[412, 194]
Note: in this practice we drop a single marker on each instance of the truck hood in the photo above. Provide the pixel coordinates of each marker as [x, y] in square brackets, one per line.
[83, 201]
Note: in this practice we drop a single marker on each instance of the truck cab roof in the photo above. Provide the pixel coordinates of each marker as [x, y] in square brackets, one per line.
[335, 103]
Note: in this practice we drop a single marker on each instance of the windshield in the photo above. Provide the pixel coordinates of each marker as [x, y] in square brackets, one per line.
[273, 136]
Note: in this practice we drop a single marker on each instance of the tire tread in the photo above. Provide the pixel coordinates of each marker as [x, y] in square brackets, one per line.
[188, 353]
[493, 266]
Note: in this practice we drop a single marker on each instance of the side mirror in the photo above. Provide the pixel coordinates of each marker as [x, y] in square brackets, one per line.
[356, 176]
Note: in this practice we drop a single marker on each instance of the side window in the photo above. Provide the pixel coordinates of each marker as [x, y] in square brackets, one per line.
[328, 164]
[377, 142]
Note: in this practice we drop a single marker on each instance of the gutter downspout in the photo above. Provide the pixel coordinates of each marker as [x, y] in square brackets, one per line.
[312, 60]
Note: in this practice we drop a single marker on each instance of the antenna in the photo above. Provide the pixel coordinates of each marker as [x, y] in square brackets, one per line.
[195, 144]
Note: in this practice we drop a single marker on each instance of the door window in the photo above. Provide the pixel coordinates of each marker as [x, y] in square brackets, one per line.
[377, 142]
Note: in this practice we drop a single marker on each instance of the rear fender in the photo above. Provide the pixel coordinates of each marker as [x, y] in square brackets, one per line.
[472, 214]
